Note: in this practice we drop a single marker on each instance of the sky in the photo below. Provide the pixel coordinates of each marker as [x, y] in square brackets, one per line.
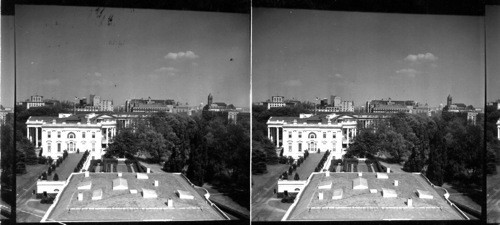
[7, 61]
[66, 52]
[492, 19]
[304, 54]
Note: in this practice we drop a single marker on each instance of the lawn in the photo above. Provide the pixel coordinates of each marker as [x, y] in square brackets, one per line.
[273, 172]
[308, 166]
[67, 166]
[33, 172]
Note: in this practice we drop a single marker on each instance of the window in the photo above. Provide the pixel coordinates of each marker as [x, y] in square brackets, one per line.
[48, 134]
[58, 147]
[83, 134]
[48, 146]
[324, 134]
[71, 135]
[300, 147]
[312, 135]
[58, 134]
[334, 135]
[300, 134]
[93, 134]
[289, 147]
[311, 146]
[93, 146]
[289, 134]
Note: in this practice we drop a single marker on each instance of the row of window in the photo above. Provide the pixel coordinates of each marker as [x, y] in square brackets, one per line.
[71, 135]
[311, 146]
[70, 146]
[311, 135]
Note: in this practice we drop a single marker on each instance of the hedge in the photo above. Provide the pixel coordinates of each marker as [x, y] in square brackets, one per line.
[322, 161]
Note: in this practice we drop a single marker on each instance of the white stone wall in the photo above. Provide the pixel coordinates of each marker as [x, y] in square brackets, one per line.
[72, 144]
[291, 186]
[51, 187]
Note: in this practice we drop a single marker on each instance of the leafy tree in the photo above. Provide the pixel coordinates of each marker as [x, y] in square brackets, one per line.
[124, 143]
[258, 162]
[152, 143]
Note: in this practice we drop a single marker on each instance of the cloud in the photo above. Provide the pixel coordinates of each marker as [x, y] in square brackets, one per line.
[292, 83]
[181, 55]
[337, 75]
[51, 82]
[420, 58]
[97, 74]
[408, 72]
[169, 71]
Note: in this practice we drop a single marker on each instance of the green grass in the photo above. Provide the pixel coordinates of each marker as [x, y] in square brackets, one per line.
[33, 172]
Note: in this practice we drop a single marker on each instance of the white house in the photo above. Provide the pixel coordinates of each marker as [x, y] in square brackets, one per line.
[312, 132]
[72, 132]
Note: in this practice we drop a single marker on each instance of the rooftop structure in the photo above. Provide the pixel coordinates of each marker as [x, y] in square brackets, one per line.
[344, 202]
[149, 105]
[102, 202]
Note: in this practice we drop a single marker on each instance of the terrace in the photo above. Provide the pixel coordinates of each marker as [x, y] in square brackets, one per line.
[363, 204]
[127, 205]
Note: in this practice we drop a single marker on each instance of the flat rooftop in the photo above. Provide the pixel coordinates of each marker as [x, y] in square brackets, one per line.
[363, 205]
[122, 205]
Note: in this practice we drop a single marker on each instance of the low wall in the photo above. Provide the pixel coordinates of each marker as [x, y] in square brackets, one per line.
[51, 187]
[291, 186]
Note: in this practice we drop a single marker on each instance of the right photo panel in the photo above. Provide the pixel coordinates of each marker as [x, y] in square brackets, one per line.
[492, 22]
[370, 116]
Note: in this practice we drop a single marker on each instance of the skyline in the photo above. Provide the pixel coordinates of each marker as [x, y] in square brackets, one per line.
[66, 52]
[304, 54]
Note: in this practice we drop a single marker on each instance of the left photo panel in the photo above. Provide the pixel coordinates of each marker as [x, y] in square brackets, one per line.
[131, 114]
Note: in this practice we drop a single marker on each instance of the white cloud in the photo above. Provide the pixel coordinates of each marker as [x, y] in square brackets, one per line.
[97, 74]
[408, 72]
[51, 82]
[181, 55]
[419, 58]
[293, 83]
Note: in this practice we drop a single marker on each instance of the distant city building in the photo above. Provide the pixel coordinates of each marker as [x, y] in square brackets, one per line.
[335, 104]
[34, 101]
[3, 114]
[275, 102]
[390, 106]
[312, 132]
[218, 106]
[94, 104]
[149, 105]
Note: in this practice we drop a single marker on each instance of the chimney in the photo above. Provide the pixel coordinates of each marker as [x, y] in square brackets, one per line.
[360, 174]
[396, 183]
[156, 183]
[86, 173]
[320, 195]
[388, 170]
[119, 174]
[410, 202]
[327, 173]
[148, 170]
[80, 196]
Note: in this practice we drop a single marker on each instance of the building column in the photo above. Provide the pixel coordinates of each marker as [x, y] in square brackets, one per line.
[498, 132]
[28, 133]
[269, 133]
[36, 137]
[277, 137]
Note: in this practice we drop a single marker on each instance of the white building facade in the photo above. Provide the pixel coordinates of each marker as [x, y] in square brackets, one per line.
[327, 132]
[72, 133]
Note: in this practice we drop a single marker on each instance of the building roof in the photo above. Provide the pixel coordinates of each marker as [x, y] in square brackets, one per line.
[122, 205]
[363, 205]
[315, 119]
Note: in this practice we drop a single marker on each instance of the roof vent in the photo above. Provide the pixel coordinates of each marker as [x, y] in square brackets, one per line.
[97, 194]
[325, 185]
[389, 193]
[424, 194]
[396, 183]
[359, 184]
[80, 196]
[86, 185]
[142, 176]
[382, 176]
[184, 194]
[337, 193]
[120, 184]
[170, 203]
[320, 195]
[148, 193]
[156, 183]
[410, 202]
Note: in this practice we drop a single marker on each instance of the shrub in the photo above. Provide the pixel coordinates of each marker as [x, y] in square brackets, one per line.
[47, 200]
[296, 176]
[285, 176]
[42, 160]
[319, 151]
[44, 176]
[56, 177]
[49, 171]
[77, 151]
[290, 160]
[50, 160]
[40, 154]
[306, 154]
